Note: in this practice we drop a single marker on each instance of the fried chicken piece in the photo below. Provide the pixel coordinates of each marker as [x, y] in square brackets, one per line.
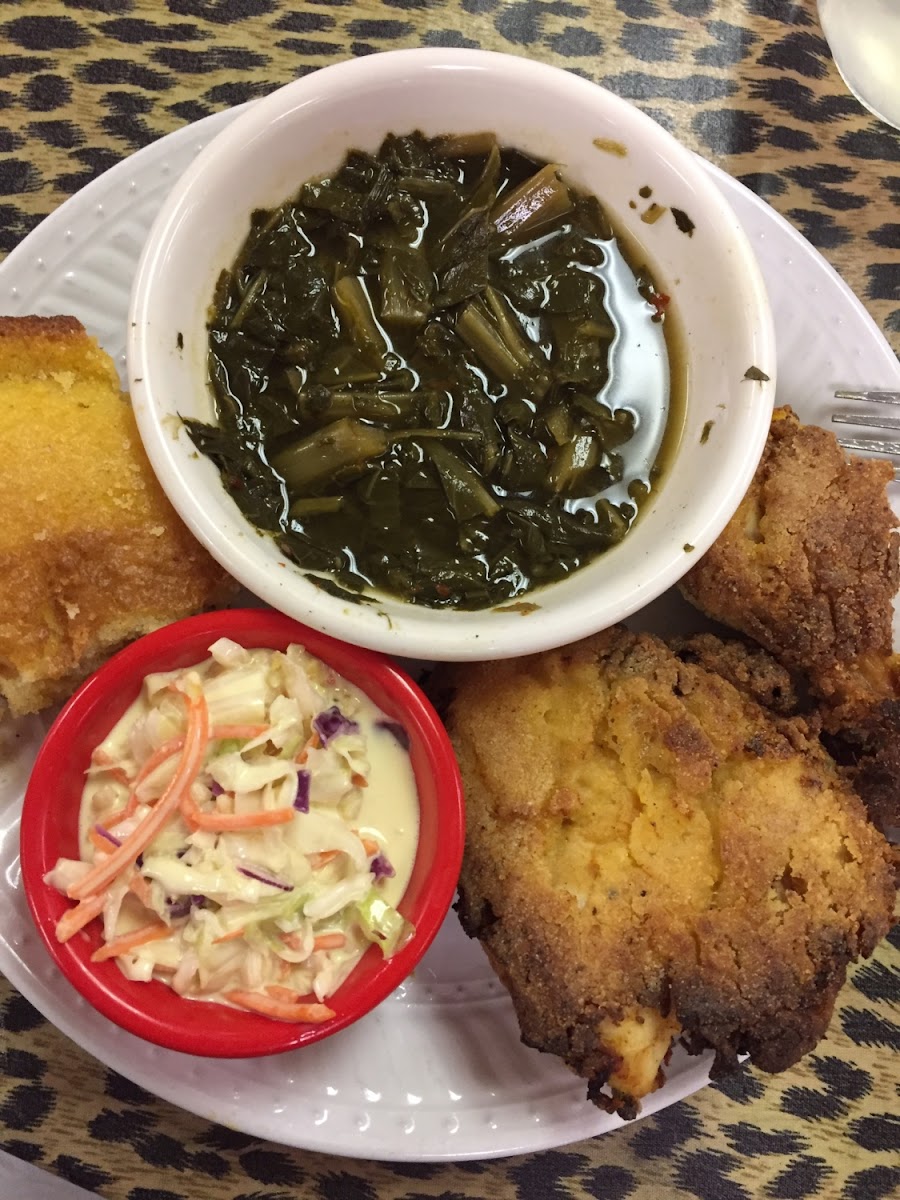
[650, 854]
[808, 568]
[91, 552]
[750, 669]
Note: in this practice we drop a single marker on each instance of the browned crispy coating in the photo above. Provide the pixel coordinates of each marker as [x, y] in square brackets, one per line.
[750, 669]
[650, 853]
[91, 552]
[808, 568]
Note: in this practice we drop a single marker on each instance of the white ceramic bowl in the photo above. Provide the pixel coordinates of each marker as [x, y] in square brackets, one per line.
[606, 146]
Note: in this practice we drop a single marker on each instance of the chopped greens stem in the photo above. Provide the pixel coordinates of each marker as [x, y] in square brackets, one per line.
[256, 286]
[537, 202]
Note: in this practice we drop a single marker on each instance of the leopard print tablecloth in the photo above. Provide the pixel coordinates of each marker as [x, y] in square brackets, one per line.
[749, 84]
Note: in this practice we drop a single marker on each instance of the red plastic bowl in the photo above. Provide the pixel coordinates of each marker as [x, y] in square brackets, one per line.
[50, 830]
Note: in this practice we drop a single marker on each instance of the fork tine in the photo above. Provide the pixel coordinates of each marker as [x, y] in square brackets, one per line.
[878, 396]
[869, 422]
[873, 446]
[870, 445]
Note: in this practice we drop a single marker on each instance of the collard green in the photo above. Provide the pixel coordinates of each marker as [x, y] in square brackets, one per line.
[429, 374]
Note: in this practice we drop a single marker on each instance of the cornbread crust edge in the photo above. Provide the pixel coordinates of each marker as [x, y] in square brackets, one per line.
[647, 845]
[92, 554]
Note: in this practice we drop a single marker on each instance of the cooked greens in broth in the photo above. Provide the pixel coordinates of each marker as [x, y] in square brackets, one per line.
[436, 374]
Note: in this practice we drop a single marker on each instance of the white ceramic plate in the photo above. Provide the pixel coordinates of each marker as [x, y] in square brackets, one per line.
[437, 1072]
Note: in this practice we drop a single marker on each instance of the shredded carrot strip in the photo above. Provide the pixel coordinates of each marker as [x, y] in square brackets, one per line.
[189, 765]
[281, 1010]
[114, 820]
[160, 755]
[104, 761]
[99, 842]
[293, 941]
[218, 822]
[358, 780]
[141, 888]
[130, 805]
[131, 941]
[313, 743]
[76, 918]
[329, 941]
[324, 941]
[323, 858]
[232, 936]
[220, 732]
[279, 992]
[117, 773]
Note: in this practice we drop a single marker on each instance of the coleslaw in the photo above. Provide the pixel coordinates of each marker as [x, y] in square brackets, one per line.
[247, 830]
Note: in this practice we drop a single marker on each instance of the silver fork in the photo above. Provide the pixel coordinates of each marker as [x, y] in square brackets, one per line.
[881, 447]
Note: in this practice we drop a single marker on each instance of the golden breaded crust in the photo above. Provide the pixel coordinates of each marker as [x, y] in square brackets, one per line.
[808, 568]
[91, 552]
[649, 853]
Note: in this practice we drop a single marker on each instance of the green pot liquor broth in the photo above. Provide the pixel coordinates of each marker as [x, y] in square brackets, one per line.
[440, 374]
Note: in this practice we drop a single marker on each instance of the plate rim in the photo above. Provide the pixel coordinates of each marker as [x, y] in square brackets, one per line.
[591, 1122]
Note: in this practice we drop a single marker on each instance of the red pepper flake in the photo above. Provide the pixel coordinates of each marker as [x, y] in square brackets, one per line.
[443, 590]
[660, 302]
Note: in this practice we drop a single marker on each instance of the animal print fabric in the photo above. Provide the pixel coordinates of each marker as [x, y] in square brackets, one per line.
[747, 83]
[750, 85]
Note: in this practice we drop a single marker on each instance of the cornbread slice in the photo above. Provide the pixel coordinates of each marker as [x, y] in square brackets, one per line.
[91, 552]
[651, 854]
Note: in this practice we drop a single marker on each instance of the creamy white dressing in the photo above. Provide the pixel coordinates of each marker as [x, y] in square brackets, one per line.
[389, 809]
[245, 906]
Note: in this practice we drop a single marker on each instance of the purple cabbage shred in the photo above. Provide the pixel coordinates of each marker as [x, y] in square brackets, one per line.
[332, 723]
[301, 800]
[381, 868]
[104, 833]
[397, 731]
[262, 877]
[182, 907]
[216, 788]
